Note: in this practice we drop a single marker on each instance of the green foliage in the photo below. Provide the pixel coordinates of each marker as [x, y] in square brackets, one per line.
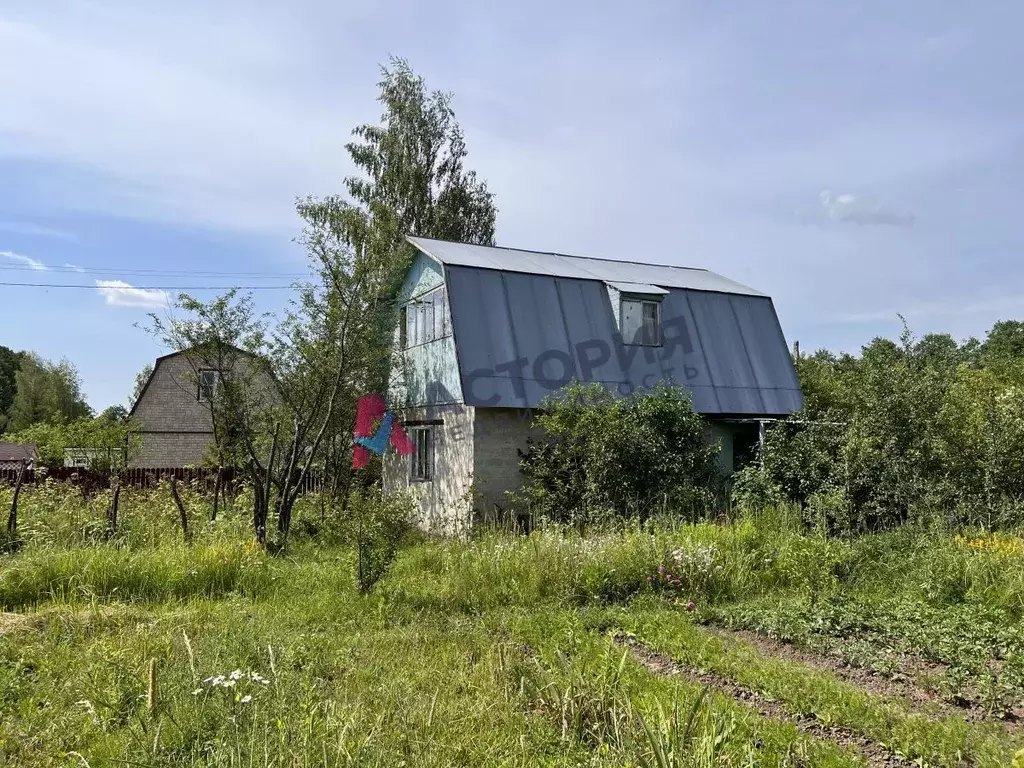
[104, 442]
[376, 524]
[602, 457]
[923, 430]
[46, 391]
[10, 361]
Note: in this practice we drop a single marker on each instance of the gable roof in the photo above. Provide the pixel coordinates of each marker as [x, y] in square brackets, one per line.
[525, 323]
[156, 364]
[17, 452]
[582, 267]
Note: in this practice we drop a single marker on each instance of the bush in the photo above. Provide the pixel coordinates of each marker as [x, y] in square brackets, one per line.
[376, 525]
[603, 457]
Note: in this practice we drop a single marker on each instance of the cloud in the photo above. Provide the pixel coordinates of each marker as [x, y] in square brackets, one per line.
[74, 267]
[121, 294]
[28, 261]
[852, 209]
[34, 230]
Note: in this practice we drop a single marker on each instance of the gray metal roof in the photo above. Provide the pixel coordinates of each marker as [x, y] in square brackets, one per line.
[522, 333]
[559, 265]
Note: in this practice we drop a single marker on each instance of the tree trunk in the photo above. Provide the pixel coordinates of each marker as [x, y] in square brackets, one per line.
[12, 518]
[182, 512]
[112, 512]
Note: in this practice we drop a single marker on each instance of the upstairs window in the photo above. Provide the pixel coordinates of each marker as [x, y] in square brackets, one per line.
[641, 322]
[421, 461]
[424, 319]
[209, 382]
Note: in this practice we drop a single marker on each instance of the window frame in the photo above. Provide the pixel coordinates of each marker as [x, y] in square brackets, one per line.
[216, 385]
[641, 300]
[414, 464]
[418, 311]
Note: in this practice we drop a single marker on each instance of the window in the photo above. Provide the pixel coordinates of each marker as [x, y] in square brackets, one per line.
[425, 319]
[641, 322]
[209, 381]
[421, 466]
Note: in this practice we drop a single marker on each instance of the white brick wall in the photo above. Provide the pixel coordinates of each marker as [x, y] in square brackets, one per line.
[444, 503]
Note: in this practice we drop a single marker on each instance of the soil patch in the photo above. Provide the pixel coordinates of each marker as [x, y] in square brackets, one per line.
[903, 684]
[874, 753]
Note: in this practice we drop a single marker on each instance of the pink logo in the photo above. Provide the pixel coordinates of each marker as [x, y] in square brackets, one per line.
[373, 410]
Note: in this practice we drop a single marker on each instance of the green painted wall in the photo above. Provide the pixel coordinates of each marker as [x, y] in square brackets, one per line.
[427, 374]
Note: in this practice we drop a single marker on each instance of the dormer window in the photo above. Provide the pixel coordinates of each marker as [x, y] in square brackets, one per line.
[641, 322]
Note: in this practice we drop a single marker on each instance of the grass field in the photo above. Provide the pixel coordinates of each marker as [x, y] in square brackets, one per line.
[741, 643]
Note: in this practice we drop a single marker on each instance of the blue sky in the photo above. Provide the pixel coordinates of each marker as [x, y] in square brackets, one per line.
[854, 160]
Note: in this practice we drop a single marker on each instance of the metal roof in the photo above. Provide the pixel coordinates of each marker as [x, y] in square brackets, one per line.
[522, 334]
[584, 268]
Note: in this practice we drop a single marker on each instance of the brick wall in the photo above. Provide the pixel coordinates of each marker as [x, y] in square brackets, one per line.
[497, 434]
[444, 505]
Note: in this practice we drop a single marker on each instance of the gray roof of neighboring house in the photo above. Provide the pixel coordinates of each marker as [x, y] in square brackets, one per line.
[17, 452]
[584, 268]
[522, 333]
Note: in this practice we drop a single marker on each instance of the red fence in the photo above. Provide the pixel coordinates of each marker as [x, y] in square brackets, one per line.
[141, 477]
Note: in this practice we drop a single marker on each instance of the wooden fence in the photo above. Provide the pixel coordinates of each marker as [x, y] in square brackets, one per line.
[141, 477]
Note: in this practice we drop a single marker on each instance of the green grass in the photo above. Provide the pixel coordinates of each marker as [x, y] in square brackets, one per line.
[493, 651]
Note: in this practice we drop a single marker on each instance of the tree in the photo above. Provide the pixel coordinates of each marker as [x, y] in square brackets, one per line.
[10, 361]
[141, 379]
[334, 343]
[46, 391]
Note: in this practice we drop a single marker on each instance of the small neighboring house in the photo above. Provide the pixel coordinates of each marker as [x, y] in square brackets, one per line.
[173, 409]
[12, 455]
[488, 332]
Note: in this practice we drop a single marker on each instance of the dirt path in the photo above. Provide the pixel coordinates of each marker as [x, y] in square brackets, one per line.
[874, 754]
[903, 685]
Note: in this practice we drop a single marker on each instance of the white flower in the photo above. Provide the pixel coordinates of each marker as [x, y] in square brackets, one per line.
[197, 691]
[246, 699]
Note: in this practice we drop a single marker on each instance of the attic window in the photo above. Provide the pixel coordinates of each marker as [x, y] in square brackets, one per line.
[641, 322]
[424, 319]
[209, 381]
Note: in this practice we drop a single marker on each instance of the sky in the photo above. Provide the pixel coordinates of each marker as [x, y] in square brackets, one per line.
[856, 161]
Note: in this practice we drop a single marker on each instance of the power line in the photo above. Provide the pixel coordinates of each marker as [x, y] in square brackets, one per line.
[151, 272]
[154, 287]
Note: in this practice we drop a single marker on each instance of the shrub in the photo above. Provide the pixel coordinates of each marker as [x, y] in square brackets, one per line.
[603, 457]
[376, 525]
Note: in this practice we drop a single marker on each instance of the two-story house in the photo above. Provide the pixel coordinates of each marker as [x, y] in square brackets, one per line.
[174, 413]
[486, 333]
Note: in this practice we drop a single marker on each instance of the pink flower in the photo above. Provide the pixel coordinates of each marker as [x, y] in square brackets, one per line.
[691, 605]
[661, 569]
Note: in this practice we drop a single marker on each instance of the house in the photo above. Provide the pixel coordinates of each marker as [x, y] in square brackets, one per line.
[13, 455]
[486, 333]
[174, 410]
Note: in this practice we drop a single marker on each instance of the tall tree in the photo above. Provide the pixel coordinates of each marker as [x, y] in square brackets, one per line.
[46, 391]
[333, 345]
[10, 361]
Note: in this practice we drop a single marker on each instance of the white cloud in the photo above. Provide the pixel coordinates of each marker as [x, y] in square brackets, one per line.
[74, 267]
[852, 209]
[118, 293]
[28, 261]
